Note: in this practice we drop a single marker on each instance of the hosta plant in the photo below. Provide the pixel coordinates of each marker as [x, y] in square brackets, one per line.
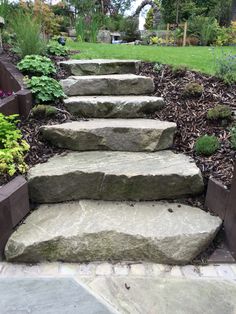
[12, 147]
[55, 49]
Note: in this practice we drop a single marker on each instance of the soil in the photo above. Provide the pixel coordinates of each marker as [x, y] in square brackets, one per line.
[190, 116]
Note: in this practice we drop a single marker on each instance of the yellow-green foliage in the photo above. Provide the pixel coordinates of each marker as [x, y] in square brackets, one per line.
[193, 90]
[12, 146]
[220, 112]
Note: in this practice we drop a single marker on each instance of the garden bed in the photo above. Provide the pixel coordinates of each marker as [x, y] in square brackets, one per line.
[191, 117]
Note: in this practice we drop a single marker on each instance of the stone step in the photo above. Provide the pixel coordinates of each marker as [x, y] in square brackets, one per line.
[114, 176]
[113, 106]
[100, 67]
[132, 135]
[117, 84]
[105, 231]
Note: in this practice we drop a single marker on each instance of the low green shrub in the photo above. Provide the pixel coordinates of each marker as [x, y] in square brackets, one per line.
[225, 66]
[158, 67]
[233, 137]
[12, 147]
[207, 145]
[193, 90]
[219, 112]
[37, 65]
[55, 49]
[45, 89]
[179, 70]
[44, 111]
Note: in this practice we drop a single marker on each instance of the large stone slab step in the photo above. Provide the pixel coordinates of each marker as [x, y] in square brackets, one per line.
[100, 66]
[117, 84]
[112, 134]
[94, 230]
[113, 106]
[114, 176]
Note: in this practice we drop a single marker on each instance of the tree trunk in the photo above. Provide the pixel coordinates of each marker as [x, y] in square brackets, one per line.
[234, 10]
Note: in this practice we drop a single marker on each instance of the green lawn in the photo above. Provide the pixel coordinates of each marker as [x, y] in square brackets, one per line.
[196, 58]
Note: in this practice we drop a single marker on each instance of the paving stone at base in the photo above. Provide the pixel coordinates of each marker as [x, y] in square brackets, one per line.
[131, 135]
[123, 84]
[124, 107]
[48, 296]
[167, 296]
[114, 176]
[100, 66]
[102, 231]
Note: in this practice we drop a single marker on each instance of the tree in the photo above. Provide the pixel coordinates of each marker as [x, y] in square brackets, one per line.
[233, 14]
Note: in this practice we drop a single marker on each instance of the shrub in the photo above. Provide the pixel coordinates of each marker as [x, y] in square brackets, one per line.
[233, 137]
[44, 111]
[220, 112]
[35, 64]
[12, 147]
[55, 49]
[28, 34]
[207, 145]
[45, 89]
[193, 90]
[179, 70]
[225, 66]
[158, 67]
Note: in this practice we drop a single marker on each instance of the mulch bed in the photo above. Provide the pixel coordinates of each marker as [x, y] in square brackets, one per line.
[191, 116]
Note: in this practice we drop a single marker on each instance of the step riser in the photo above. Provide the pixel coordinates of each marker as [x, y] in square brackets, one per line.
[110, 108]
[74, 136]
[128, 85]
[117, 67]
[100, 231]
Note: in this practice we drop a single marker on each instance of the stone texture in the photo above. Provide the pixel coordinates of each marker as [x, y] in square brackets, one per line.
[114, 176]
[100, 67]
[48, 296]
[167, 296]
[95, 230]
[112, 134]
[113, 106]
[119, 84]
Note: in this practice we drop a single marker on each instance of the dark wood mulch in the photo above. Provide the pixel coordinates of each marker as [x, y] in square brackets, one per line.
[190, 116]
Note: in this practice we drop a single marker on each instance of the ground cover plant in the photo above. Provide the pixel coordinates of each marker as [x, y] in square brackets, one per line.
[36, 65]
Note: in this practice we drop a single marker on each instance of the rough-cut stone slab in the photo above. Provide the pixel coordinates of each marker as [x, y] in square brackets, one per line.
[48, 296]
[166, 295]
[113, 106]
[112, 134]
[117, 84]
[100, 67]
[114, 176]
[95, 230]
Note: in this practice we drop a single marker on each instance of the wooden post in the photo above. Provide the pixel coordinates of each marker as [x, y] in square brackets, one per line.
[185, 33]
[167, 33]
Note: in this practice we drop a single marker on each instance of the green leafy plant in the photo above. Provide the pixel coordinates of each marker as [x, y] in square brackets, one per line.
[233, 137]
[193, 90]
[28, 34]
[55, 49]
[45, 89]
[225, 66]
[44, 111]
[12, 147]
[220, 112]
[207, 145]
[158, 67]
[35, 64]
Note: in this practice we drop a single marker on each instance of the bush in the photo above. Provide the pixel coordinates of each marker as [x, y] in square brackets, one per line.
[193, 90]
[179, 70]
[45, 89]
[233, 137]
[44, 111]
[28, 35]
[225, 66]
[220, 112]
[158, 67]
[55, 49]
[35, 64]
[207, 145]
[12, 147]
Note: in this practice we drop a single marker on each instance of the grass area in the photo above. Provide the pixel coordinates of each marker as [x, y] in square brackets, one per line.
[195, 58]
